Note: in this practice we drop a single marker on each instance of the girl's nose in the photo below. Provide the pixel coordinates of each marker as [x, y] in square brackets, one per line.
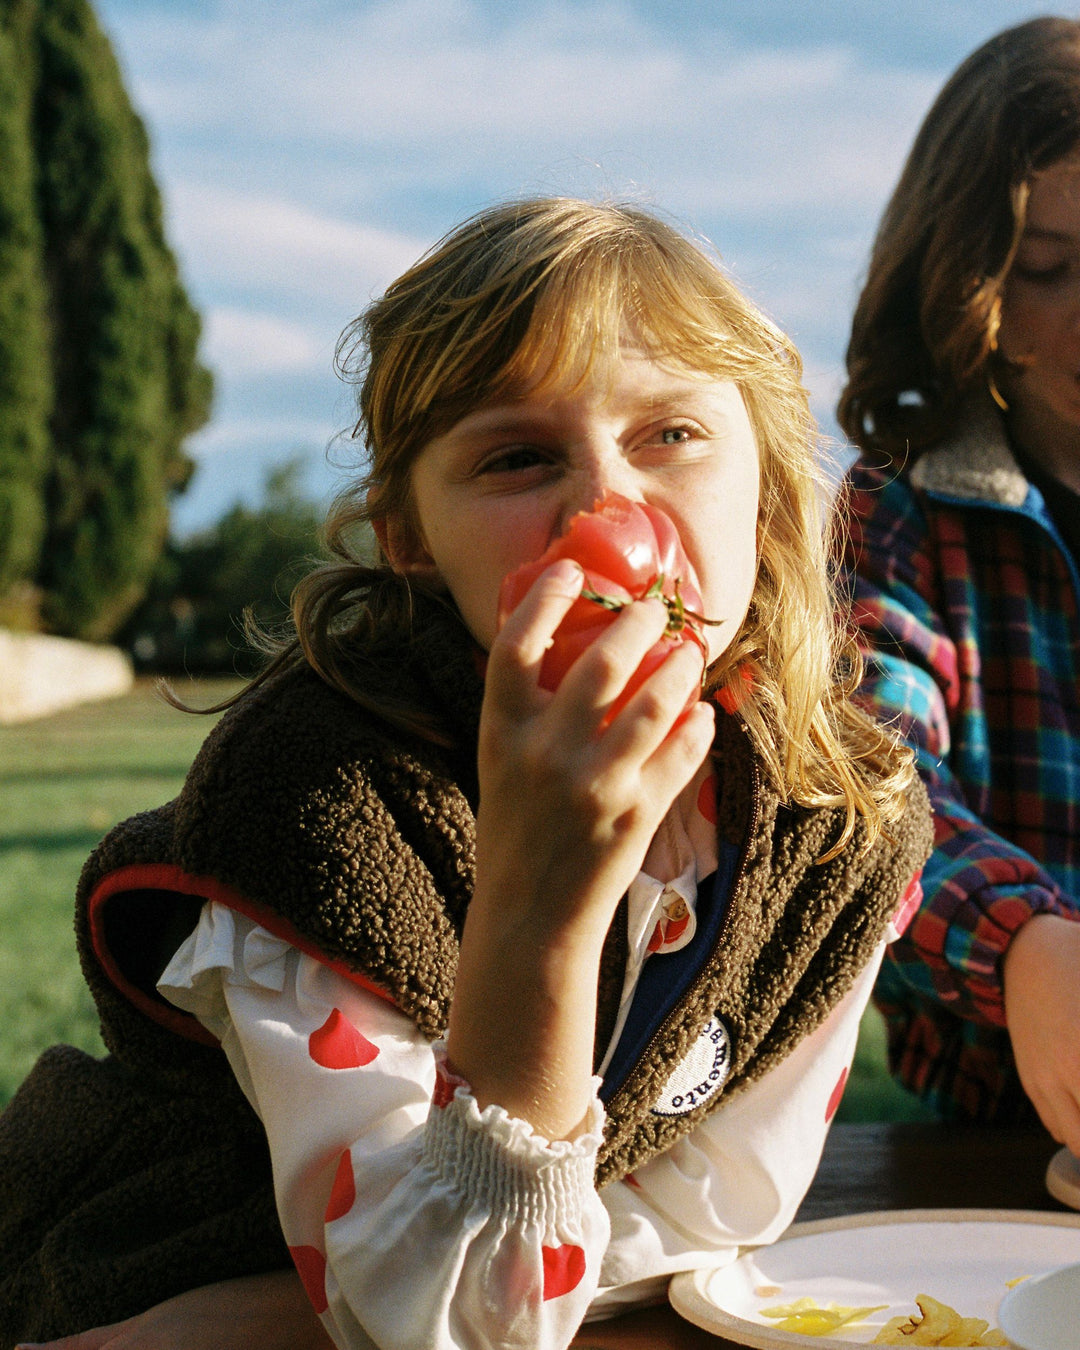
[593, 479]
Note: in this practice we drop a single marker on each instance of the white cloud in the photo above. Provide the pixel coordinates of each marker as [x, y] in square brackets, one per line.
[246, 240]
[279, 434]
[245, 343]
[430, 91]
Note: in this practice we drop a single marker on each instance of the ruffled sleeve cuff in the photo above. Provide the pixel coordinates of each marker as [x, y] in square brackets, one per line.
[502, 1163]
[224, 948]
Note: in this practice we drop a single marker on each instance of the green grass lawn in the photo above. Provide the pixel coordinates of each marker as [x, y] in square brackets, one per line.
[870, 1093]
[64, 781]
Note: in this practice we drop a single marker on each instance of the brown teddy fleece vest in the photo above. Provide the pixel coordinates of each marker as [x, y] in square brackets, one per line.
[356, 842]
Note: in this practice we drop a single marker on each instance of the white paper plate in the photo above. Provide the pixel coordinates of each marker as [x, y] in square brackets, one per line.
[962, 1257]
[1063, 1178]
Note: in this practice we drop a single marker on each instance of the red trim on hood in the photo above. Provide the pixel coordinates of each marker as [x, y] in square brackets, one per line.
[168, 877]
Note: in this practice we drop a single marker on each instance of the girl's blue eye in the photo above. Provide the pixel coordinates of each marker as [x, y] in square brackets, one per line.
[674, 435]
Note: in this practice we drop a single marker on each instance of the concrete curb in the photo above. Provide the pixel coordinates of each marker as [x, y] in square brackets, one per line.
[40, 675]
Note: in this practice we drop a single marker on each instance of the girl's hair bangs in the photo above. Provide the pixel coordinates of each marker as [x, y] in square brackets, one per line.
[592, 300]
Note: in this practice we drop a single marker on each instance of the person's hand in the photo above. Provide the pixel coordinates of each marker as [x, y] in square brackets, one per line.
[569, 800]
[1042, 1012]
[571, 794]
[270, 1311]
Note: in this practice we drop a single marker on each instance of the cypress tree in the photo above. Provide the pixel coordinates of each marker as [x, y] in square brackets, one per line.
[25, 373]
[126, 385]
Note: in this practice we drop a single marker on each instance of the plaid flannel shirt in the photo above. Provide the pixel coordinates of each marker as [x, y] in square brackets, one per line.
[966, 601]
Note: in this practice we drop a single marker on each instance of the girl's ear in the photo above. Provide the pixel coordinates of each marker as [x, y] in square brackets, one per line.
[403, 546]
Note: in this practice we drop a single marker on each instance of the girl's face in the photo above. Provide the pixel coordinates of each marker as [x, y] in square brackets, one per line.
[497, 488]
[1040, 322]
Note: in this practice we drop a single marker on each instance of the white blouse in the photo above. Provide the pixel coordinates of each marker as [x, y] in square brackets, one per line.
[419, 1222]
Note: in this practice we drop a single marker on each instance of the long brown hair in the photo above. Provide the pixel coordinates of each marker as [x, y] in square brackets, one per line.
[925, 327]
[537, 294]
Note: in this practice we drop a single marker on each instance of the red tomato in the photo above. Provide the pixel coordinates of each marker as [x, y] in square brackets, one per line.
[628, 551]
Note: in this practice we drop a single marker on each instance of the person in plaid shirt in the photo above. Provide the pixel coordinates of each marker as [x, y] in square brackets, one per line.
[963, 397]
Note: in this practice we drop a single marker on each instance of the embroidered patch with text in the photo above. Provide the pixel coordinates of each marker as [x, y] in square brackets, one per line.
[700, 1074]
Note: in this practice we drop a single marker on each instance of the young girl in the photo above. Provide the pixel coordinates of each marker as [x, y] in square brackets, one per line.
[538, 997]
[963, 397]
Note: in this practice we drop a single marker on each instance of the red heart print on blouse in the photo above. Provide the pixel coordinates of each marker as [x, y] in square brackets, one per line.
[338, 1045]
[446, 1085]
[563, 1268]
[706, 799]
[311, 1267]
[343, 1191]
[836, 1094]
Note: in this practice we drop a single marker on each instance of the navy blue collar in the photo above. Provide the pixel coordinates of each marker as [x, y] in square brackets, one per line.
[665, 977]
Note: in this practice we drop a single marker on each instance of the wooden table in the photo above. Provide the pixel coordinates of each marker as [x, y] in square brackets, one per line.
[875, 1167]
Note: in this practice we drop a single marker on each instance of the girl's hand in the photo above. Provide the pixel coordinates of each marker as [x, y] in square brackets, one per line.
[270, 1311]
[568, 807]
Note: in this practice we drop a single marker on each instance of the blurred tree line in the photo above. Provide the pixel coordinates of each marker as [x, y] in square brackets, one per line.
[191, 620]
[100, 381]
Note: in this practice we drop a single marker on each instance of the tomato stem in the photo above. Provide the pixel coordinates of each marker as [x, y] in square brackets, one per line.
[678, 614]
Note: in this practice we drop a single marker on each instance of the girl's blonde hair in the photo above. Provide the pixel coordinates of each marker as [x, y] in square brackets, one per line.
[924, 335]
[537, 294]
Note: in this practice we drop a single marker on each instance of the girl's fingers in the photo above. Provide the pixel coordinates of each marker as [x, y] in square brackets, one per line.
[600, 674]
[527, 633]
[580, 738]
[682, 752]
[658, 711]
[642, 718]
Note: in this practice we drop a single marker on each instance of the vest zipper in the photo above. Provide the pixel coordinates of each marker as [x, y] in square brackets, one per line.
[736, 882]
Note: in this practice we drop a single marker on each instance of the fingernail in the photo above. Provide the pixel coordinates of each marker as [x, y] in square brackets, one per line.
[569, 572]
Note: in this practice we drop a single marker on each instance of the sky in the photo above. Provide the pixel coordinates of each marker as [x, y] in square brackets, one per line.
[308, 151]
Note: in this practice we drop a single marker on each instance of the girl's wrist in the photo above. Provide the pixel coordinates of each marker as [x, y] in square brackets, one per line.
[539, 920]
[522, 1023]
